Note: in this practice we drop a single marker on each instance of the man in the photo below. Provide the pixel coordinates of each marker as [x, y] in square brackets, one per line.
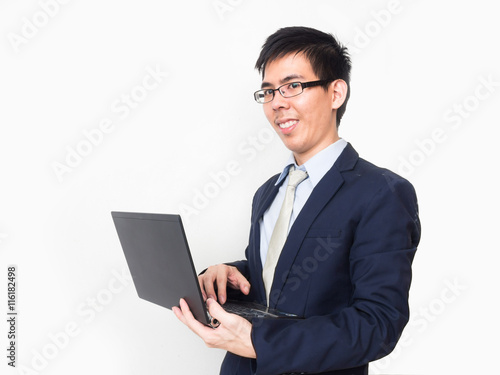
[345, 265]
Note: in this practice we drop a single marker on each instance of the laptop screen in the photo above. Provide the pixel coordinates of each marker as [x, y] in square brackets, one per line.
[157, 254]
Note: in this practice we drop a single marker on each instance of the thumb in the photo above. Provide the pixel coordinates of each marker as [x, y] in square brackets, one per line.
[215, 310]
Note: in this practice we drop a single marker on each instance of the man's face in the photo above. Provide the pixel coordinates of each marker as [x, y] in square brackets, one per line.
[305, 123]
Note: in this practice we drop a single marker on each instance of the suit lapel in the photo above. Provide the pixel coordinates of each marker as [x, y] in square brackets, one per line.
[267, 197]
[320, 196]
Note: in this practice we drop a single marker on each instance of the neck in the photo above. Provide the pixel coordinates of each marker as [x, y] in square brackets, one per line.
[302, 157]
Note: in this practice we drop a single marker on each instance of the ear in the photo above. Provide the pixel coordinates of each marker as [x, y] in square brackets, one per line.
[339, 93]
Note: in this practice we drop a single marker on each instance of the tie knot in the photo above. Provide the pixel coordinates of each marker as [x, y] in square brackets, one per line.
[296, 176]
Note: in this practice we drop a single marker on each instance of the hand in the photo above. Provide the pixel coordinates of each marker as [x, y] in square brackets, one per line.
[222, 275]
[233, 333]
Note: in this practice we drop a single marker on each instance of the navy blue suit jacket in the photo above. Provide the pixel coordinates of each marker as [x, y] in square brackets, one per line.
[345, 268]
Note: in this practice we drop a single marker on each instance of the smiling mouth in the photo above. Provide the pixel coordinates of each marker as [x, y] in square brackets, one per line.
[285, 125]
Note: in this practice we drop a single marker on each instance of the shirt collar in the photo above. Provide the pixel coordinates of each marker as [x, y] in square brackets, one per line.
[318, 165]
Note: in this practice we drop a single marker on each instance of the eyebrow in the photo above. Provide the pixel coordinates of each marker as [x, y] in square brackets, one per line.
[282, 81]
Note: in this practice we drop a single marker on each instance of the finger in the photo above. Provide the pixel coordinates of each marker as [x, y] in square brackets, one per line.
[216, 311]
[245, 287]
[208, 286]
[178, 313]
[186, 311]
[190, 320]
[238, 281]
[221, 285]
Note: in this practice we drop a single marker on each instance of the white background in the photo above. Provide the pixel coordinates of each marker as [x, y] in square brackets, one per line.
[414, 63]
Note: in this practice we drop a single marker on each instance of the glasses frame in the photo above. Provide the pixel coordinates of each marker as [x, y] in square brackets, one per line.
[304, 85]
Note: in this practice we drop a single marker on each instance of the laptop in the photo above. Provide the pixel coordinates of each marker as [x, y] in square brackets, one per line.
[162, 269]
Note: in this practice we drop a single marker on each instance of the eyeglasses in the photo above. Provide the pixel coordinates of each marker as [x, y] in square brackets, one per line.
[287, 90]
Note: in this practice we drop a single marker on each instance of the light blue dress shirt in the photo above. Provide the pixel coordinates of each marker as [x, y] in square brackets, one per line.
[316, 168]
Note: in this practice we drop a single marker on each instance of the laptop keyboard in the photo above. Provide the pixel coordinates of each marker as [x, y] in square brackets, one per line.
[246, 311]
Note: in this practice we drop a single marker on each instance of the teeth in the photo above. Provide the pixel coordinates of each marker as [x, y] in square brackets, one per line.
[287, 124]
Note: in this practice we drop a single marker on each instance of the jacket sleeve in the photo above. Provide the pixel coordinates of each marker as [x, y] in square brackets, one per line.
[380, 259]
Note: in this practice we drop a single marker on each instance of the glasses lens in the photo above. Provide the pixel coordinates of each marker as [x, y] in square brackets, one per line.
[259, 96]
[291, 89]
[264, 96]
[288, 90]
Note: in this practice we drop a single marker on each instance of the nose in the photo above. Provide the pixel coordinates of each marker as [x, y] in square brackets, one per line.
[279, 101]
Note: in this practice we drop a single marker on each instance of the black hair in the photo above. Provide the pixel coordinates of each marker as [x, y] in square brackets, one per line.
[329, 59]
